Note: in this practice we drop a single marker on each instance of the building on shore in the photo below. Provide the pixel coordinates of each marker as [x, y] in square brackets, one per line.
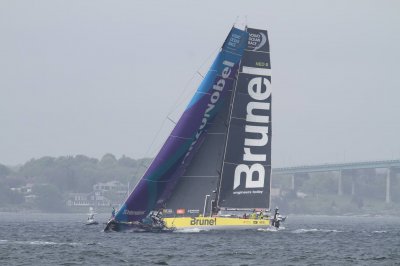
[104, 195]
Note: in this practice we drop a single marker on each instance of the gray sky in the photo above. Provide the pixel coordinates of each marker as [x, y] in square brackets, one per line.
[91, 77]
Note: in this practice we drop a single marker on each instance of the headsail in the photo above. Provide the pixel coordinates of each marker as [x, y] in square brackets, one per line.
[245, 180]
[156, 185]
[201, 177]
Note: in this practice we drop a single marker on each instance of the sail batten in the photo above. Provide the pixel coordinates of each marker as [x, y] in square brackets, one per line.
[195, 176]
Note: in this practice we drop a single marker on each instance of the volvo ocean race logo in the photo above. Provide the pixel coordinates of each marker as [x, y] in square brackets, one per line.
[256, 41]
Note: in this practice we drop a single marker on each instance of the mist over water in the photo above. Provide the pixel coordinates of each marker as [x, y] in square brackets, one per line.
[99, 78]
[63, 239]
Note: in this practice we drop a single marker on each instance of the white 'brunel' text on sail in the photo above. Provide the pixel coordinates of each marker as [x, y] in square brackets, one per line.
[257, 93]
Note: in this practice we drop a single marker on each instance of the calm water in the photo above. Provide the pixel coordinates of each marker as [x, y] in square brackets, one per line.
[61, 239]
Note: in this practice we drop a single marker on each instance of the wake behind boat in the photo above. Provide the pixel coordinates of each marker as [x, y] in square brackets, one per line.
[214, 170]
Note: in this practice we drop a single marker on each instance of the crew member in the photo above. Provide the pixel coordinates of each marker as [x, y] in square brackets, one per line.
[113, 213]
[276, 221]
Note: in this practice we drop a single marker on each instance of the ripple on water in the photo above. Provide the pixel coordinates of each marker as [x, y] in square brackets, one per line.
[191, 230]
[38, 243]
[269, 229]
[313, 230]
[307, 240]
[379, 232]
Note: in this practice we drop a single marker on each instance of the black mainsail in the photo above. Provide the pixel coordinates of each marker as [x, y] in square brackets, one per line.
[246, 170]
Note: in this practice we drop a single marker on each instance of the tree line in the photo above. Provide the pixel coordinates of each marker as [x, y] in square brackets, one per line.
[55, 176]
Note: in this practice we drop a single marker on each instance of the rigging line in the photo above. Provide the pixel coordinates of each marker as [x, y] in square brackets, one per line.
[201, 92]
[182, 92]
[208, 58]
[231, 104]
[136, 176]
[216, 133]
[173, 108]
[236, 20]
[155, 149]
[184, 100]
[157, 181]
[226, 162]
[195, 176]
[257, 51]
[186, 87]
[239, 118]
[198, 72]
[147, 152]
[155, 137]
[143, 164]
[171, 120]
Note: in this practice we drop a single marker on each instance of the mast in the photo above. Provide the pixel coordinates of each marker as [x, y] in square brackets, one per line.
[226, 139]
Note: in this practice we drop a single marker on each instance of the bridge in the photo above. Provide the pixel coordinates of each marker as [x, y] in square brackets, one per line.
[391, 166]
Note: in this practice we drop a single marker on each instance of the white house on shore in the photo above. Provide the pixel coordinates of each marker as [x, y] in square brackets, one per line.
[111, 186]
[103, 195]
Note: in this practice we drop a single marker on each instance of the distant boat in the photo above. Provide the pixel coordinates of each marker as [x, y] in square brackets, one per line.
[90, 220]
[214, 170]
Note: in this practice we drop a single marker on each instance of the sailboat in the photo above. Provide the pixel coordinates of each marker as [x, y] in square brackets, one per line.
[90, 220]
[214, 169]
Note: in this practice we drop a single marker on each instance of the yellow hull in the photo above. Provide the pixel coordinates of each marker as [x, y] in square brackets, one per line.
[221, 223]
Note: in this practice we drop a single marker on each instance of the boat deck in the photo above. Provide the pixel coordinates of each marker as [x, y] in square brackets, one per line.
[216, 223]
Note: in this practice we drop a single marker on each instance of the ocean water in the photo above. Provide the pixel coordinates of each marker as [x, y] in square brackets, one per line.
[63, 239]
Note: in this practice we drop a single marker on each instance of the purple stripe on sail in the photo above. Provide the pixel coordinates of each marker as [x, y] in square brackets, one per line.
[137, 200]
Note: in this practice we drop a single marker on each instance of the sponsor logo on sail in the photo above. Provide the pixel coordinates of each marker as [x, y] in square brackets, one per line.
[259, 89]
[217, 89]
[180, 211]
